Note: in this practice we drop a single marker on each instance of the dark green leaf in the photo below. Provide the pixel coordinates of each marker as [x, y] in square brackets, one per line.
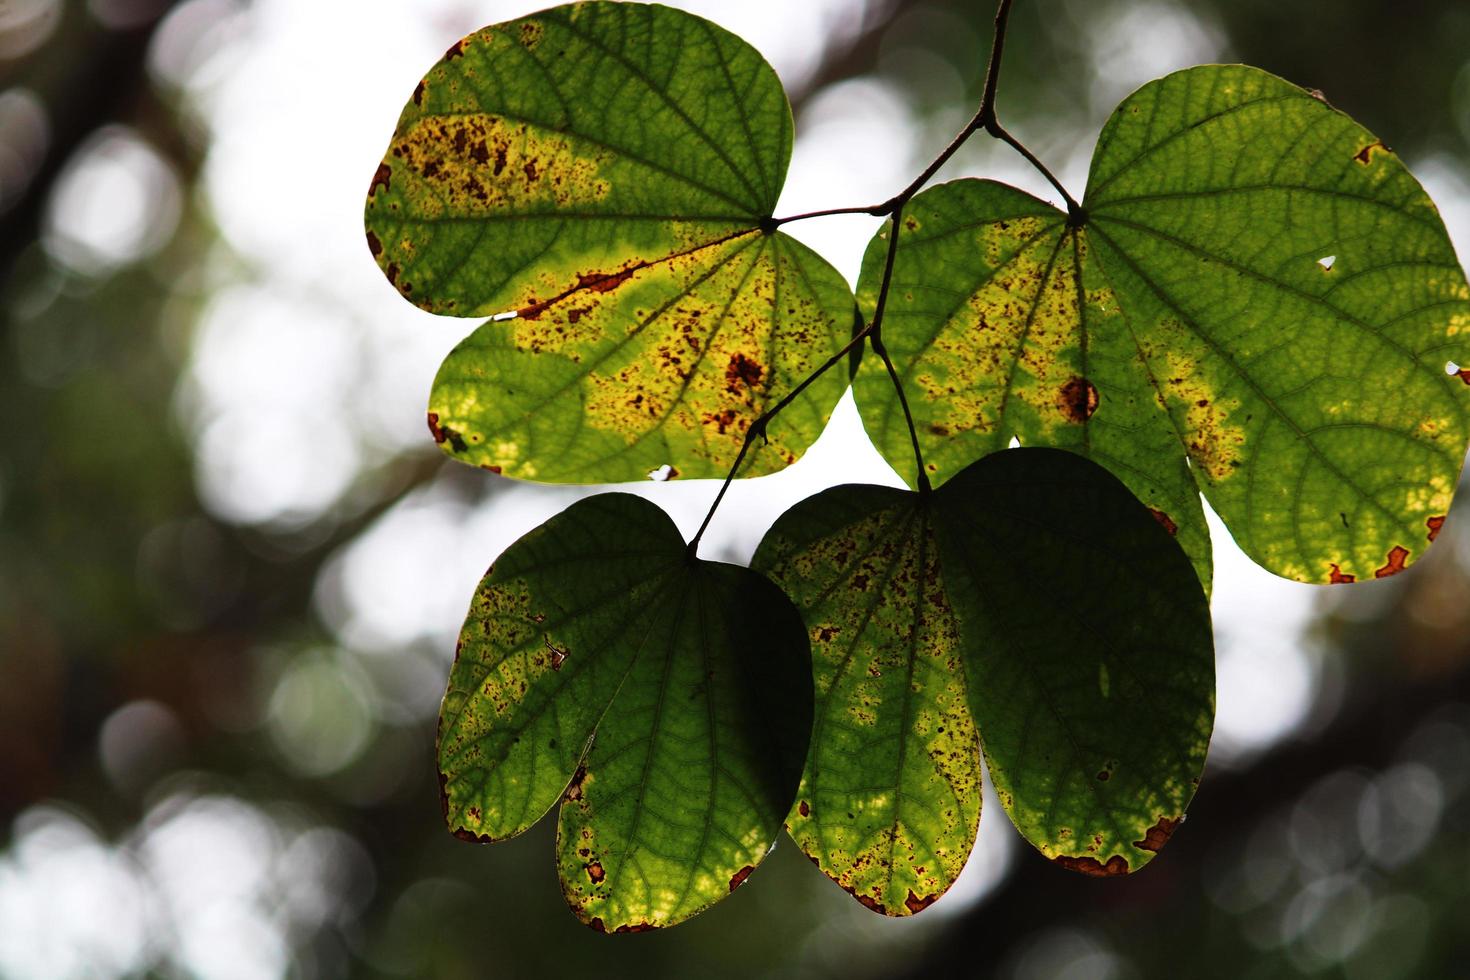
[1260, 287]
[890, 798]
[1087, 645]
[604, 169]
[665, 698]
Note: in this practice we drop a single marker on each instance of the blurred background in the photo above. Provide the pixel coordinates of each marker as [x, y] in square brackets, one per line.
[232, 562]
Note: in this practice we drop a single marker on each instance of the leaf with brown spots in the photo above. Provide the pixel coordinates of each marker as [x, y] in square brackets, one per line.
[603, 171]
[1087, 647]
[1310, 398]
[890, 796]
[1001, 327]
[664, 700]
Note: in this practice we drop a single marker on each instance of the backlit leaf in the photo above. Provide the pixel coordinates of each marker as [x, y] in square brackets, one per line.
[1088, 650]
[665, 699]
[890, 797]
[1260, 287]
[603, 169]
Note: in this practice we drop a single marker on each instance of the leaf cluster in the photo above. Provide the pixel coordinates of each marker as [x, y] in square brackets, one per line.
[1254, 301]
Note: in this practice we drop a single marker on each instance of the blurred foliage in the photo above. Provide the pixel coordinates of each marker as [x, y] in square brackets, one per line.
[166, 679]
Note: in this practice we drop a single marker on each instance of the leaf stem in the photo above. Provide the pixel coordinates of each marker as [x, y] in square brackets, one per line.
[1076, 214]
[771, 224]
[875, 330]
[758, 428]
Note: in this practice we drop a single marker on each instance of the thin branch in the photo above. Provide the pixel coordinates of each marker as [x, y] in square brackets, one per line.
[875, 329]
[876, 210]
[1076, 214]
[758, 427]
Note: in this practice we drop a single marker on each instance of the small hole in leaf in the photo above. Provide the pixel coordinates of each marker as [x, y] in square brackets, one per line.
[1326, 262]
[663, 474]
[1451, 368]
[507, 315]
[1015, 443]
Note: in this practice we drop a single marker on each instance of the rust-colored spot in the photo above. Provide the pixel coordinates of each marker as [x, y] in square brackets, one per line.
[595, 872]
[1092, 866]
[804, 809]
[939, 430]
[868, 901]
[1434, 524]
[392, 273]
[597, 925]
[1158, 835]
[1165, 521]
[742, 371]
[910, 223]
[724, 420]
[1103, 775]
[574, 791]
[597, 282]
[531, 32]
[418, 93]
[1336, 576]
[915, 904]
[738, 878]
[1398, 557]
[490, 466]
[1464, 375]
[636, 927]
[1365, 155]
[558, 657]
[374, 246]
[455, 50]
[383, 178]
[434, 429]
[1078, 399]
[603, 282]
[471, 837]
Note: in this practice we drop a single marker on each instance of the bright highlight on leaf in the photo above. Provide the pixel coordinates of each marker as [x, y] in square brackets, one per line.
[604, 170]
[1192, 317]
[1087, 645]
[665, 699]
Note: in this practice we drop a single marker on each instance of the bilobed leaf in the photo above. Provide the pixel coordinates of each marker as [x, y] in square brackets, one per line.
[666, 699]
[890, 797]
[1260, 287]
[603, 169]
[1088, 650]
[987, 323]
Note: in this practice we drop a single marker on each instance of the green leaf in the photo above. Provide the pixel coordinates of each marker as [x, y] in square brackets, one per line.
[1088, 649]
[1190, 317]
[604, 169]
[666, 699]
[890, 797]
